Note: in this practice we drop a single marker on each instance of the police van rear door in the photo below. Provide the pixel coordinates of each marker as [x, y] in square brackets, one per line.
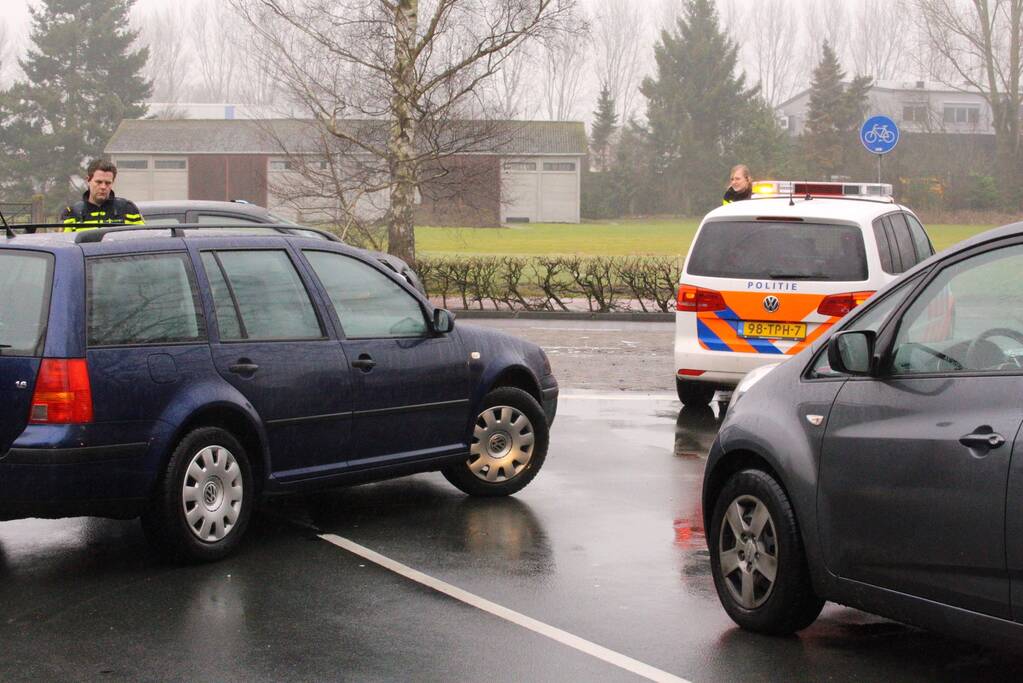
[784, 281]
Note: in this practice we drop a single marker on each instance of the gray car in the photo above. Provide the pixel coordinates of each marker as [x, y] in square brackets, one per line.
[882, 468]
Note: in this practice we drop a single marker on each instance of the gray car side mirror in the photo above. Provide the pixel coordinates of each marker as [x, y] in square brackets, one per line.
[852, 352]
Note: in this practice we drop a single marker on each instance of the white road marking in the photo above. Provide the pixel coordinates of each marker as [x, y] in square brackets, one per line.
[610, 656]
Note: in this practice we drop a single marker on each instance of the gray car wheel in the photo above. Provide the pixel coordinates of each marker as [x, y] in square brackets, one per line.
[748, 551]
[757, 558]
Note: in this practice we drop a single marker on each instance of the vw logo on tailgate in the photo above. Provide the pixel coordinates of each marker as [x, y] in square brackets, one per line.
[771, 304]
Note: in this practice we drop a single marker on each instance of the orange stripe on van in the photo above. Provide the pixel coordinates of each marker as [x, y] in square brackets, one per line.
[794, 307]
[726, 332]
[813, 336]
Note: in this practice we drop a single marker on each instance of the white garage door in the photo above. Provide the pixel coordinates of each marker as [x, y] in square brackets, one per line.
[519, 189]
[559, 193]
[147, 178]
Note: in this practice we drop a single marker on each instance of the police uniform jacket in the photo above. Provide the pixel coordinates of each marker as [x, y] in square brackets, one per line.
[84, 215]
[733, 196]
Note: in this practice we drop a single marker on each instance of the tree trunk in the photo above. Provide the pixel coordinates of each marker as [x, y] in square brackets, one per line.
[401, 142]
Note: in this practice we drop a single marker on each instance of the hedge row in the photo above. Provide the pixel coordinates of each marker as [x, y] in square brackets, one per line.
[553, 283]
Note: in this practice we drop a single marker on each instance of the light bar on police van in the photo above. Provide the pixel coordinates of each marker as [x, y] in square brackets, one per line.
[782, 188]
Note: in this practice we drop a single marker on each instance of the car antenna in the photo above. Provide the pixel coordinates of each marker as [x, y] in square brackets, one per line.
[792, 188]
[7, 228]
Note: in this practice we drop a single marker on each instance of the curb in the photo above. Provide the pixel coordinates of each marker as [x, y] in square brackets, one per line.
[619, 316]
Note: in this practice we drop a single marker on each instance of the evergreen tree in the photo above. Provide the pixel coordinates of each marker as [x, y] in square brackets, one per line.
[82, 77]
[833, 119]
[696, 108]
[605, 123]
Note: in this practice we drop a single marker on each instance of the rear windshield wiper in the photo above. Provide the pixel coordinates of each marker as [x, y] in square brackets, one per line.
[797, 276]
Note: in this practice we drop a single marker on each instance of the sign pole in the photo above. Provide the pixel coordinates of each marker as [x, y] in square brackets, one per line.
[879, 157]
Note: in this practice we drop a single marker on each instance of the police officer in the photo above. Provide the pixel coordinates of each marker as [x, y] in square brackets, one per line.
[98, 204]
[740, 187]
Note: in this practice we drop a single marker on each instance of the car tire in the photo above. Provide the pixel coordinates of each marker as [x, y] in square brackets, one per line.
[694, 393]
[754, 534]
[203, 500]
[507, 447]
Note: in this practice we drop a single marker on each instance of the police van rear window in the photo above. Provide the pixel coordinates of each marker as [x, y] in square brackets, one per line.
[775, 250]
[25, 279]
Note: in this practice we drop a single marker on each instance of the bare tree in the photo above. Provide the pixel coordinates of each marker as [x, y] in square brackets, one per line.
[216, 56]
[510, 88]
[980, 42]
[9, 51]
[620, 42]
[824, 20]
[879, 39]
[5, 52]
[391, 82]
[165, 30]
[564, 58]
[769, 48]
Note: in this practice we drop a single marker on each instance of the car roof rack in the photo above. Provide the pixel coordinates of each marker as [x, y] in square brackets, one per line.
[93, 235]
[11, 227]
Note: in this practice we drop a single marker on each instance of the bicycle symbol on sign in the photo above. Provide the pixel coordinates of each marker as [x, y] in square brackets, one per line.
[880, 132]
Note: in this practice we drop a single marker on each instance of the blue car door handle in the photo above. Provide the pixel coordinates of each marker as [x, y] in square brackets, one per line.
[983, 438]
[365, 362]
[243, 367]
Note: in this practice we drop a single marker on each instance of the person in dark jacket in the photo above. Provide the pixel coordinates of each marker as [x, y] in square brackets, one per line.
[98, 205]
[740, 187]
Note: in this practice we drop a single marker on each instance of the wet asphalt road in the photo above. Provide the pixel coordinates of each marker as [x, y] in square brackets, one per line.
[606, 546]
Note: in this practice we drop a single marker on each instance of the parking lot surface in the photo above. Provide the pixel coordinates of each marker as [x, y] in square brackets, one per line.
[596, 571]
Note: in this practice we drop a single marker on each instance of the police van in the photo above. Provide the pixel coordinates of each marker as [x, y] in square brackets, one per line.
[767, 277]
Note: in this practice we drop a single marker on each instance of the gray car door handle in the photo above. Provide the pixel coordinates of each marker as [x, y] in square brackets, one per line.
[982, 439]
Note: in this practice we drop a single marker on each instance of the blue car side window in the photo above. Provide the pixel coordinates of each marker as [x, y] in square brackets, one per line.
[369, 304]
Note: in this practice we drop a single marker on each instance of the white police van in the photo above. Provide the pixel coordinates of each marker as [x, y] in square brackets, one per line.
[768, 276]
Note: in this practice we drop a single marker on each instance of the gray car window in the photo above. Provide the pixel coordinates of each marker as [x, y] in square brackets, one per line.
[871, 319]
[964, 320]
[368, 303]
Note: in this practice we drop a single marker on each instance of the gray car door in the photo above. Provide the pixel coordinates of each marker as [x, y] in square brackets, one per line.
[915, 462]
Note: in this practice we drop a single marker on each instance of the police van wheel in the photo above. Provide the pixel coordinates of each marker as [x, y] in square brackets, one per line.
[694, 393]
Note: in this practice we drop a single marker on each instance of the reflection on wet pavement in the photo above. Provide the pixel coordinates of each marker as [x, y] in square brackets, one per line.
[607, 544]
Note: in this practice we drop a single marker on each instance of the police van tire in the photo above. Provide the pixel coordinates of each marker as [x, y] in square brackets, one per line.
[203, 500]
[694, 393]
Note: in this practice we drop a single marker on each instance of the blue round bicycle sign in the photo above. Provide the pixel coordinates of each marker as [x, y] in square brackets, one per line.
[879, 134]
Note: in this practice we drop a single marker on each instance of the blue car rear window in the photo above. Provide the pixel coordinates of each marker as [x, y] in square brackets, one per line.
[25, 279]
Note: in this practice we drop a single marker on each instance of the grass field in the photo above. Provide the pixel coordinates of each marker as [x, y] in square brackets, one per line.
[654, 237]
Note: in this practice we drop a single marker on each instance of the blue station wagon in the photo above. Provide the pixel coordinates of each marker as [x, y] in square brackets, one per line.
[183, 377]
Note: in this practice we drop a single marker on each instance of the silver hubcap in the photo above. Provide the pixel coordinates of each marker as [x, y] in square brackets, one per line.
[502, 444]
[212, 493]
[748, 551]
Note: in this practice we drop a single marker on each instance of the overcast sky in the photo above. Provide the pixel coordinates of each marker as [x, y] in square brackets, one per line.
[862, 30]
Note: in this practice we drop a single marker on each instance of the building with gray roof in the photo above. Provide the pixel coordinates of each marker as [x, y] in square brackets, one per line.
[507, 171]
